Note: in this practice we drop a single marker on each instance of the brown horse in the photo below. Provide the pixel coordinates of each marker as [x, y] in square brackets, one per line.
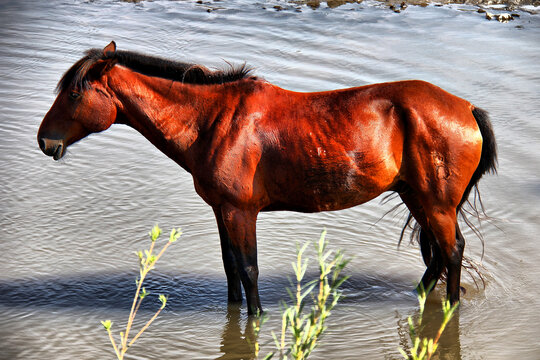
[252, 146]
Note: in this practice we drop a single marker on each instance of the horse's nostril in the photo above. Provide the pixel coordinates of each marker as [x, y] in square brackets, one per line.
[41, 143]
[58, 152]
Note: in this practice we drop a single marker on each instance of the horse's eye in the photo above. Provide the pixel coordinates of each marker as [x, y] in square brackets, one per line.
[74, 95]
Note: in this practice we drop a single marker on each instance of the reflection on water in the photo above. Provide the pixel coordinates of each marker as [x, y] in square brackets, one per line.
[237, 342]
[70, 229]
[238, 337]
[449, 343]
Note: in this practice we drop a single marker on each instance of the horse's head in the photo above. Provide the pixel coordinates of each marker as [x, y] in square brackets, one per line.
[83, 105]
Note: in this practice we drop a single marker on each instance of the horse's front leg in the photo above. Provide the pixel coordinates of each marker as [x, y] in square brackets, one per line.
[234, 286]
[240, 225]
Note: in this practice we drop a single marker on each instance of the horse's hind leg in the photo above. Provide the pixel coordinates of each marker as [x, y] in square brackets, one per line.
[426, 243]
[435, 265]
[460, 246]
[433, 200]
[443, 224]
[431, 252]
[441, 242]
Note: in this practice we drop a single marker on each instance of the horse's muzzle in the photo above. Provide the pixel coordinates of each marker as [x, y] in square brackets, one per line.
[52, 147]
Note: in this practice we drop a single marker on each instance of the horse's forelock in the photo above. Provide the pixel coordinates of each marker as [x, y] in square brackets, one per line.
[76, 76]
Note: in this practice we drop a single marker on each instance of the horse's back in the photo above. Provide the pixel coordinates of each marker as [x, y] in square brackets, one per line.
[329, 150]
[336, 149]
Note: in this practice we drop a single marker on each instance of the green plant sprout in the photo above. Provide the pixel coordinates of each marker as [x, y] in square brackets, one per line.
[301, 332]
[423, 349]
[147, 262]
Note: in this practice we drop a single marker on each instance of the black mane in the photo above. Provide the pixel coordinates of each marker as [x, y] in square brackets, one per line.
[78, 75]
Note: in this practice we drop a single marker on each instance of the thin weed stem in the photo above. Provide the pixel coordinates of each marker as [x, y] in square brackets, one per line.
[145, 327]
[147, 262]
[306, 328]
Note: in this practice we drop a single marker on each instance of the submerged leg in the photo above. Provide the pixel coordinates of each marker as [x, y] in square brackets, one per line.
[234, 287]
[240, 225]
[437, 264]
[431, 252]
[443, 223]
[453, 287]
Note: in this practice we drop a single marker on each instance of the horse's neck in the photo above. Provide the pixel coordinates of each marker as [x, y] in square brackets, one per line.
[169, 114]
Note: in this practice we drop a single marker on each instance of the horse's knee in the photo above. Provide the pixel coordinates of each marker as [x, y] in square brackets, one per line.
[252, 272]
[443, 225]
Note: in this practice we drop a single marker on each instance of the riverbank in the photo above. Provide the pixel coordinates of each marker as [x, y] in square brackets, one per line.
[499, 10]
[513, 4]
[493, 9]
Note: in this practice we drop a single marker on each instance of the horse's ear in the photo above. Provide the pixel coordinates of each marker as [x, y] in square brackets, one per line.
[106, 63]
[110, 50]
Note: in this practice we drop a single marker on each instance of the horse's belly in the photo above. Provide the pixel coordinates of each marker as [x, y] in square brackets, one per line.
[331, 191]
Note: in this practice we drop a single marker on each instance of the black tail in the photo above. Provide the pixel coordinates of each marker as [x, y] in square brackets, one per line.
[488, 159]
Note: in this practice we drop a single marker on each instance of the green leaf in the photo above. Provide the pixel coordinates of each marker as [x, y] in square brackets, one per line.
[163, 300]
[107, 324]
[143, 293]
[322, 241]
[340, 281]
[175, 234]
[412, 331]
[300, 250]
[307, 291]
[403, 353]
[155, 233]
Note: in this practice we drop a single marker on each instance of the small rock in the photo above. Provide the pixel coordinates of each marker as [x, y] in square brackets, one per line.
[490, 16]
[504, 18]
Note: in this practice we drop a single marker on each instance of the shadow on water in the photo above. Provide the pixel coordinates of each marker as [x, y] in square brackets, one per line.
[202, 293]
[186, 292]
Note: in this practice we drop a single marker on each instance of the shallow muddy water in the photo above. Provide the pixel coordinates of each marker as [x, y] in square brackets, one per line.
[70, 228]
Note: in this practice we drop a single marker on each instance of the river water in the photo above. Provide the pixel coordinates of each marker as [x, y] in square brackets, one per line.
[69, 229]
